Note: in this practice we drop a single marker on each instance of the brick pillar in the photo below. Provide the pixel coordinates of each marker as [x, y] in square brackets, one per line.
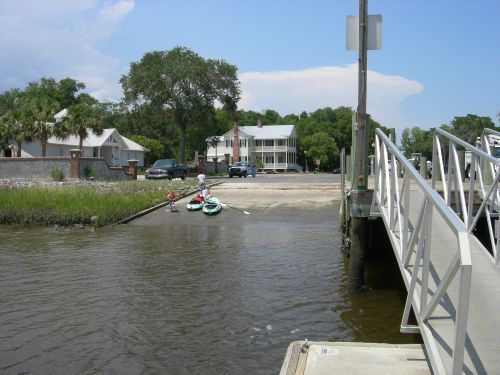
[74, 163]
[215, 164]
[201, 163]
[132, 168]
[236, 143]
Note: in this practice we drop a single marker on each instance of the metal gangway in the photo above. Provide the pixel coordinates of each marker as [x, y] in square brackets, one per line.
[453, 281]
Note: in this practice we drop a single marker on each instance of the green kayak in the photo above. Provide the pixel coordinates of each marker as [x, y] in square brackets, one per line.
[212, 206]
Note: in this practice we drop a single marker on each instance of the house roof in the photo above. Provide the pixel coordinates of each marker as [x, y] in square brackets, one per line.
[94, 140]
[59, 115]
[268, 131]
[263, 132]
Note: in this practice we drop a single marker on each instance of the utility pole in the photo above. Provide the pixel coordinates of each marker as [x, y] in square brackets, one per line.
[361, 167]
[359, 197]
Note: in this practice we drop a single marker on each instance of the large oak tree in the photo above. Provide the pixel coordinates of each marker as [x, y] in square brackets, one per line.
[181, 81]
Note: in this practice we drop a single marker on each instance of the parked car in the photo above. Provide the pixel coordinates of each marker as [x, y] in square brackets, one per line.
[166, 168]
[240, 168]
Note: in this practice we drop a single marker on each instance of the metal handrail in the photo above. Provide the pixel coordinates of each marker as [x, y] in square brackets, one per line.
[484, 171]
[412, 243]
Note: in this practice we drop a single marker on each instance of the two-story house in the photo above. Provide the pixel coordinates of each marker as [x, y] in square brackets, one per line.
[273, 145]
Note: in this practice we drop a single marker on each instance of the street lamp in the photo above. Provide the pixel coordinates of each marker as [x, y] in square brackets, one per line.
[305, 159]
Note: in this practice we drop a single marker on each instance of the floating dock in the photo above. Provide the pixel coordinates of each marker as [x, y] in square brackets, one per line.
[326, 358]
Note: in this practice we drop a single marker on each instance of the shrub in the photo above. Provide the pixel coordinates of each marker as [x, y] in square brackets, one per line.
[88, 171]
[57, 174]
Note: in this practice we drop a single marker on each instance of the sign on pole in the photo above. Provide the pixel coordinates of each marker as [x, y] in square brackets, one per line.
[374, 32]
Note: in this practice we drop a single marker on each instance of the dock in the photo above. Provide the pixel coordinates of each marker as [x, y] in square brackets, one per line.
[325, 358]
[444, 235]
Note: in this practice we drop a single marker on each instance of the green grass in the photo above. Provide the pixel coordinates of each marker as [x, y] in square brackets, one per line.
[88, 205]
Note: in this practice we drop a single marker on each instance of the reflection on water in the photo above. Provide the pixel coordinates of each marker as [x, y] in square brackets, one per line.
[219, 296]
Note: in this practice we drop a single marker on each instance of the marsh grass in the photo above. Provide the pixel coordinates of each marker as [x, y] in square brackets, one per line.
[95, 205]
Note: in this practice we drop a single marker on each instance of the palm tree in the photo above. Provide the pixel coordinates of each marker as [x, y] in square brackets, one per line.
[84, 116]
[37, 116]
[10, 126]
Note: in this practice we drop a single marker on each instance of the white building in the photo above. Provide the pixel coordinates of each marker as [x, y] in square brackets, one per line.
[274, 145]
[110, 145]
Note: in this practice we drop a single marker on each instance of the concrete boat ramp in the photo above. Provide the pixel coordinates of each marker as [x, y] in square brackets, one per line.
[325, 358]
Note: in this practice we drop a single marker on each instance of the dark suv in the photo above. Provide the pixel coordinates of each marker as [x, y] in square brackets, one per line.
[241, 169]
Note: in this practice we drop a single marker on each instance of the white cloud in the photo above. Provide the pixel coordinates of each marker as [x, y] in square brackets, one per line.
[330, 86]
[108, 19]
[56, 38]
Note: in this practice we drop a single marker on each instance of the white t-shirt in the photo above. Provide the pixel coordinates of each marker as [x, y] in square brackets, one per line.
[201, 178]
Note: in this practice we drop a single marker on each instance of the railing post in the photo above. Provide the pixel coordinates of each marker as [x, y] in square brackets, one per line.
[423, 167]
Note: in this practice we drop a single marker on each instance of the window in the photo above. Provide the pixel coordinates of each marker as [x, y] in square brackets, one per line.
[281, 159]
[270, 159]
[270, 142]
[228, 143]
[258, 142]
[243, 143]
[281, 142]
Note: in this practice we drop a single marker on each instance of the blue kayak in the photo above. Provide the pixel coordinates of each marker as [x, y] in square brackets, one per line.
[212, 206]
[194, 205]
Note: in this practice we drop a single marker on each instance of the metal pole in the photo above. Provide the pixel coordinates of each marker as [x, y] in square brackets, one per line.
[359, 221]
[360, 167]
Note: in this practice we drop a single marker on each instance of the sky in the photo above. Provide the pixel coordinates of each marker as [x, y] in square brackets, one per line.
[439, 58]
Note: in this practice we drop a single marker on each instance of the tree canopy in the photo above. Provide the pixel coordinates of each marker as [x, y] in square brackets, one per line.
[183, 82]
[29, 114]
[84, 115]
[469, 127]
[417, 140]
[155, 148]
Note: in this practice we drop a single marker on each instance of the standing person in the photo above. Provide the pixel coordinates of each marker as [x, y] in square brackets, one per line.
[201, 181]
[206, 194]
[254, 169]
[171, 201]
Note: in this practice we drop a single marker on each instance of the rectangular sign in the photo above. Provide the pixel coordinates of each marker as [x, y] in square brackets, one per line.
[374, 32]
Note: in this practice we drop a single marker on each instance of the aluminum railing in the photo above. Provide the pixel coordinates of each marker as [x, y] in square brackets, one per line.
[484, 175]
[408, 206]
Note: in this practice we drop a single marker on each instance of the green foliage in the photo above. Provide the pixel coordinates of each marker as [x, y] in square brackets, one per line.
[9, 117]
[84, 205]
[183, 82]
[417, 140]
[88, 171]
[155, 147]
[258, 163]
[86, 114]
[57, 174]
[320, 146]
[39, 103]
[469, 127]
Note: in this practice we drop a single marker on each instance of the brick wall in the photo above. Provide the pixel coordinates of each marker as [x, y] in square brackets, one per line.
[41, 168]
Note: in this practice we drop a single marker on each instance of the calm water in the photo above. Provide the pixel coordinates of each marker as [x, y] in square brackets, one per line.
[179, 294]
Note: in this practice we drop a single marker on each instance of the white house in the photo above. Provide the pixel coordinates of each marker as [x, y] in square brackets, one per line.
[110, 145]
[274, 145]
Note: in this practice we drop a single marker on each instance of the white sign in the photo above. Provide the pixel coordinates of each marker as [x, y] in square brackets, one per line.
[374, 32]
